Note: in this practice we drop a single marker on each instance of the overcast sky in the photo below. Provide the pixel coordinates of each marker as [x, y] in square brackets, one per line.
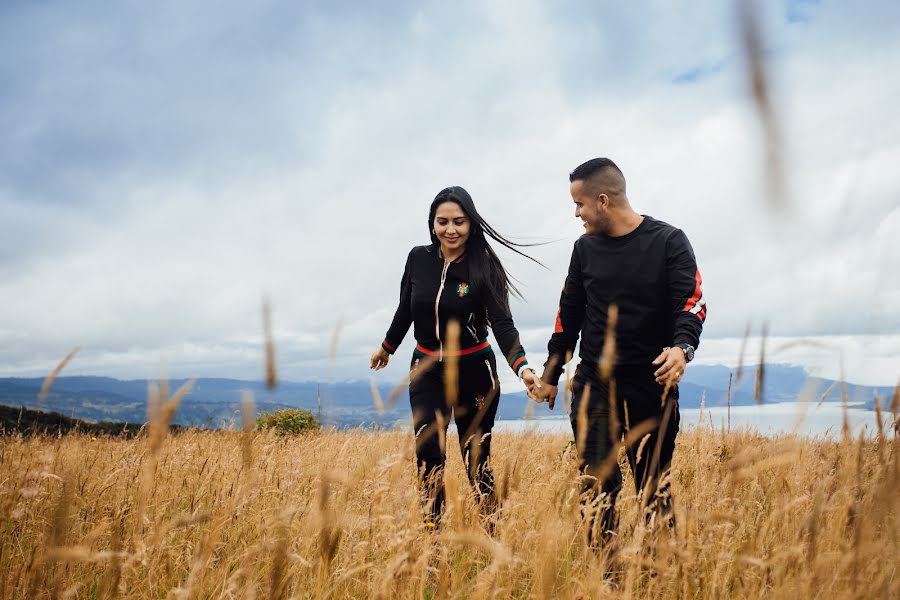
[164, 165]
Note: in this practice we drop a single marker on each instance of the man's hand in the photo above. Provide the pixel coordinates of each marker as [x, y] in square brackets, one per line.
[548, 393]
[379, 359]
[544, 392]
[671, 364]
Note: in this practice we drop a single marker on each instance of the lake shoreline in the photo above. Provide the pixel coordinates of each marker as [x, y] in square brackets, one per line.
[772, 419]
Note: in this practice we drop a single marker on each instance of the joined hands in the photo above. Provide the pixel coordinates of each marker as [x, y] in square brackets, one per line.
[538, 389]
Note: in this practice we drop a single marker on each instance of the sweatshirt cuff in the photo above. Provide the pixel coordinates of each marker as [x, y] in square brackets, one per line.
[387, 347]
[552, 376]
[519, 363]
[685, 338]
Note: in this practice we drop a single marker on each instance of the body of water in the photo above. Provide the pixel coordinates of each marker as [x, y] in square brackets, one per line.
[768, 419]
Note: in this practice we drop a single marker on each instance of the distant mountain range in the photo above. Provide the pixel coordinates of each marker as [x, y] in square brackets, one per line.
[216, 403]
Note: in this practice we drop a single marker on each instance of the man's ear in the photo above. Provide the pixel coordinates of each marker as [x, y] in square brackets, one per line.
[603, 200]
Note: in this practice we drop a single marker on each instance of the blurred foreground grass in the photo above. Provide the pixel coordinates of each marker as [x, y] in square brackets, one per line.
[205, 514]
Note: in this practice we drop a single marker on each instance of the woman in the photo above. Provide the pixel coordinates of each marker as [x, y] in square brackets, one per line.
[458, 278]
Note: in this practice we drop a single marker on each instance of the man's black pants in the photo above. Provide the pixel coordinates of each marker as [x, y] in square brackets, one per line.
[602, 424]
[474, 414]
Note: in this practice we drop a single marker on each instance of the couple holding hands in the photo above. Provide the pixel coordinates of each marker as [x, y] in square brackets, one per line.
[629, 271]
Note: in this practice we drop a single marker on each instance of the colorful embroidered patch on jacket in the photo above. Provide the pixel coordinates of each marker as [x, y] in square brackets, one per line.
[462, 289]
[479, 402]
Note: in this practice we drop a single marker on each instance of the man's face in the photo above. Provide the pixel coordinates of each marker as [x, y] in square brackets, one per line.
[589, 208]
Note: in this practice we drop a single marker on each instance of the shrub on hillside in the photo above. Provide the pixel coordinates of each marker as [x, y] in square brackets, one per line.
[289, 421]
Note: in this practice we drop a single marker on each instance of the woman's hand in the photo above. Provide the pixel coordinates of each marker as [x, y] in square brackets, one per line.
[532, 382]
[379, 359]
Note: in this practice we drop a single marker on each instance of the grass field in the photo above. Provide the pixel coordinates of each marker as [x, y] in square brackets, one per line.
[335, 514]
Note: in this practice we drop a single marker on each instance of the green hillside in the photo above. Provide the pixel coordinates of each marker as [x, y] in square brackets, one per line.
[33, 422]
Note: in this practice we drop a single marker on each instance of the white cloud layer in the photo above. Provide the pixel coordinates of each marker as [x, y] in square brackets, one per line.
[166, 166]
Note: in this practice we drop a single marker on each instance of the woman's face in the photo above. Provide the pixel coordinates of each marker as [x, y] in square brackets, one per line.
[451, 226]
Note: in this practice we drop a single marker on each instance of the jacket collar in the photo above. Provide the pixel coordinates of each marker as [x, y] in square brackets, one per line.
[435, 248]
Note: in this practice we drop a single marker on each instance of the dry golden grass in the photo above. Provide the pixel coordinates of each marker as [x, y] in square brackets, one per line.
[335, 514]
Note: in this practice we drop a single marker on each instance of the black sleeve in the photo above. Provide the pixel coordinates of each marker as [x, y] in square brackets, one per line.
[403, 317]
[569, 318]
[685, 291]
[500, 319]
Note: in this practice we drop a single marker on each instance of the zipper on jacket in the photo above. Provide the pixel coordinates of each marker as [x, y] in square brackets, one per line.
[437, 318]
[470, 325]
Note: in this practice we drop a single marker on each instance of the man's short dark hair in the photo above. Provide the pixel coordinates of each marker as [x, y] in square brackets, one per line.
[585, 171]
[601, 176]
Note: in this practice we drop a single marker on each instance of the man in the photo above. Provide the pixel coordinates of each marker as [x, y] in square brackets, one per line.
[640, 275]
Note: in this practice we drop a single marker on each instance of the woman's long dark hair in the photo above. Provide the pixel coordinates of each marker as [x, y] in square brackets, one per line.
[485, 268]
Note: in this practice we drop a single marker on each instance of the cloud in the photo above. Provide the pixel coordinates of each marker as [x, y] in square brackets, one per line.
[170, 164]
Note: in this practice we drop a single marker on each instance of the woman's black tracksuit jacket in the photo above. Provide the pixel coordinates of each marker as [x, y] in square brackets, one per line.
[432, 293]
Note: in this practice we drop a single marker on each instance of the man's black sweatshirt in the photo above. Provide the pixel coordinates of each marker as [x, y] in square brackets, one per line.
[651, 275]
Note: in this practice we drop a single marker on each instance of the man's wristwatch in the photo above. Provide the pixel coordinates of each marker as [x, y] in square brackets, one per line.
[688, 351]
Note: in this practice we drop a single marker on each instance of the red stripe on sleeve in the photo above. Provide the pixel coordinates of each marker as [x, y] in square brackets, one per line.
[519, 362]
[698, 293]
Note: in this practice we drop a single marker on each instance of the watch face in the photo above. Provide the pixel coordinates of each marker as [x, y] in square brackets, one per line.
[688, 351]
